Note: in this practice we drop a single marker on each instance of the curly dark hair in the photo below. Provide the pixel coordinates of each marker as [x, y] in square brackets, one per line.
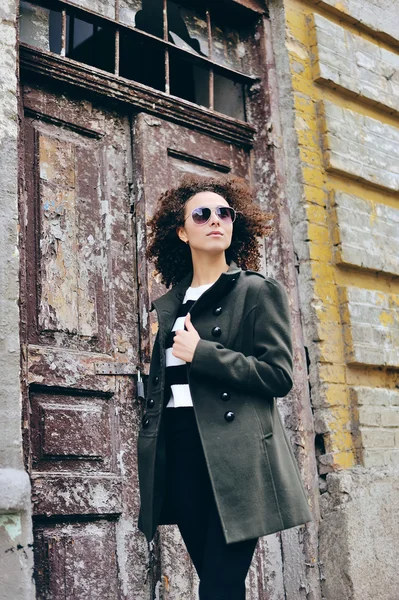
[172, 257]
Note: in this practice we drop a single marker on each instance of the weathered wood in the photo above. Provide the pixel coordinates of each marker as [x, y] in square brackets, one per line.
[79, 309]
[140, 97]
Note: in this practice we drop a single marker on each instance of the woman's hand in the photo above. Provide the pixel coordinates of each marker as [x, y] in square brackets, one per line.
[185, 342]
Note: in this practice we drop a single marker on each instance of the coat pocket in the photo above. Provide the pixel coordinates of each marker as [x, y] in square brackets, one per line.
[264, 415]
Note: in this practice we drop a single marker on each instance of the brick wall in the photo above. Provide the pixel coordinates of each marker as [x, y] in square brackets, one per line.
[378, 418]
[344, 63]
[343, 57]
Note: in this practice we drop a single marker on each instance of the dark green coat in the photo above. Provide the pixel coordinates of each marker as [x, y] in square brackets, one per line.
[254, 475]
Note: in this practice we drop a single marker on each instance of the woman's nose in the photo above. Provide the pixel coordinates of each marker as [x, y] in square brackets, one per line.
[214, 217]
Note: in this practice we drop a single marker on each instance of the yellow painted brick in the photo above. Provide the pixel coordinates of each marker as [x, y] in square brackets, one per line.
[312, 35]
[297, 13]
[318, 233]
[336, 395]
[313, 176]
[372, 377]
[305, 104]
[328, 313]
[356, 188]
[297, 22]
[297, 44]
[343, 301]
[347, 336]
[335, 230]
[317, 214]
[314, 195]
[297, 40]
[326, 291]
[331, 350]
[307, 121]
[344, 460]
[301, 67]
[310, 157]
[330, 332]
[303, 85]
[332, 373]
[331, 347]
[306, 136]
[323, 273]
[340, 441]
[321, 252]
[341, 419]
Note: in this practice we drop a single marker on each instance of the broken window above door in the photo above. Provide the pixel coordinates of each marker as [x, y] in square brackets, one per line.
[181, 49]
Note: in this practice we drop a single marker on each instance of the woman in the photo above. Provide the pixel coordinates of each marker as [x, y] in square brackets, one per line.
[213, 455]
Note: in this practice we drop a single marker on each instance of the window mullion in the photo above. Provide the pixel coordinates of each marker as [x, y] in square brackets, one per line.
[63, 32]
[211, 78]
[117, 39]
[166, 37]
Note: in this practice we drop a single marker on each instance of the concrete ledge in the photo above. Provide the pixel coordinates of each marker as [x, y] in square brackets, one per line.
[359, 534]
[14, 491]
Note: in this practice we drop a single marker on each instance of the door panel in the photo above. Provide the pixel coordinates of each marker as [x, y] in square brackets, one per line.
[79, 315]
[164, 152]
[72, 559]
[68, 198]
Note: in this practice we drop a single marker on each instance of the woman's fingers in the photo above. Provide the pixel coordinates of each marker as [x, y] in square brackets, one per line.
[185, 343]
[188, 324]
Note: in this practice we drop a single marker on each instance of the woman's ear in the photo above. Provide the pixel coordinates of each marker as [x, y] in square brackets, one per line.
[182, 234]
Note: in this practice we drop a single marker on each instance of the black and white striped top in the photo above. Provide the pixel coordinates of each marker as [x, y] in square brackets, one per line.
[176, 369]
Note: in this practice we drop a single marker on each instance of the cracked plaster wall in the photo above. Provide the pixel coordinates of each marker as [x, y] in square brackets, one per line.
[15, 521]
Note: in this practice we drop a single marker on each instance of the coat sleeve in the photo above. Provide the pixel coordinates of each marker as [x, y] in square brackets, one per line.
[269, 370]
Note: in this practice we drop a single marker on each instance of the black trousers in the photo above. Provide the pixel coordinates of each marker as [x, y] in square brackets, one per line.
[221, 567]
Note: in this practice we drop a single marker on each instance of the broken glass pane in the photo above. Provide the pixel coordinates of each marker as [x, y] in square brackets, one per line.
[187, 29]
[188, 80]
[229, 48]
[142, 60]
[40, 27]
[128, 10]
[229, 97]
[105, 8]
[146, 15]
[90, 43]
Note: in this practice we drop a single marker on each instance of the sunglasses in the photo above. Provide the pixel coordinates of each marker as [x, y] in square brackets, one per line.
[202, 214]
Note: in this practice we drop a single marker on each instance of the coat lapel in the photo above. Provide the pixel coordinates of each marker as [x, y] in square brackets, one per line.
[168, 304]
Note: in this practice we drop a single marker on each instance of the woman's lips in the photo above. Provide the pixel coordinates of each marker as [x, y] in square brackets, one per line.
[215, 233]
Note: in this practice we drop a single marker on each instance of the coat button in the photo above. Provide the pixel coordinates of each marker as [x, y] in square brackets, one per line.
[225, 396]
[217, 311]
[145, 422]
[150, 403]
[155, 380]
[216, 331]
[229, 416]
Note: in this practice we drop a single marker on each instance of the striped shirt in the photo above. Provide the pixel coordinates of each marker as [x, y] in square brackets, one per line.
[176, 369]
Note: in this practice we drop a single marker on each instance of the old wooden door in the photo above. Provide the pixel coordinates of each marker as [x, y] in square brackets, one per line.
[80, 325]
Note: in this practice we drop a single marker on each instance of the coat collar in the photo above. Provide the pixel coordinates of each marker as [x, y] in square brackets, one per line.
[168, 304]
